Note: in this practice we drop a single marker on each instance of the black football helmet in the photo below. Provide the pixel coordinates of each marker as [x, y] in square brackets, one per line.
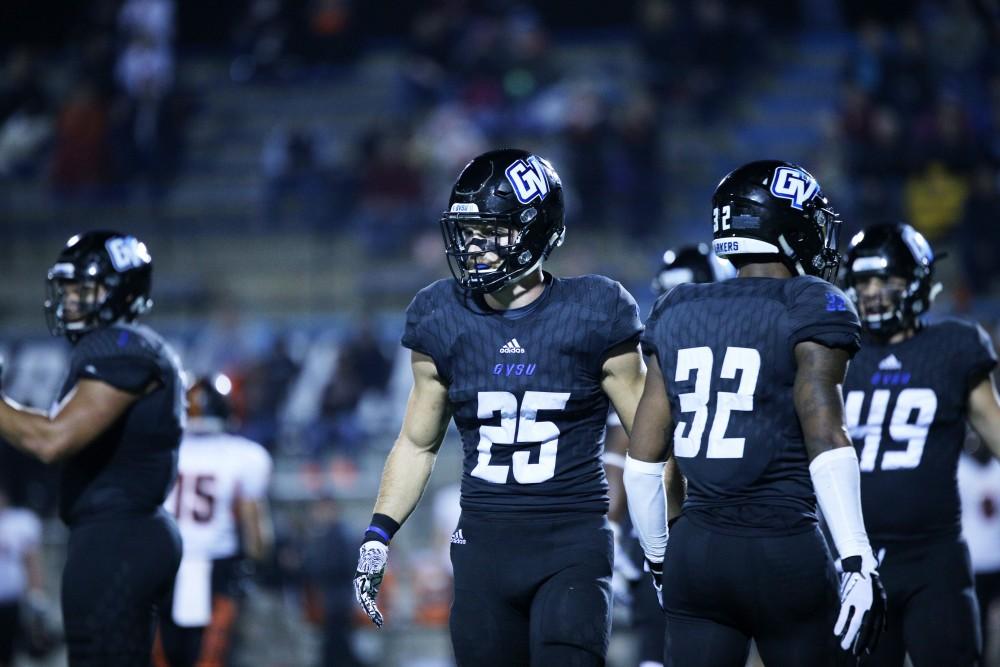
[208, 400]
[891, 250]
[772, 207]
[507, 202]
[99, 278]
[691, 264]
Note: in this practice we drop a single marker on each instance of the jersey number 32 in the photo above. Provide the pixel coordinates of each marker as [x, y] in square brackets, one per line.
[700, 361]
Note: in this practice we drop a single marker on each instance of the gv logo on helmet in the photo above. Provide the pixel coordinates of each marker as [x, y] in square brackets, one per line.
[793, 184]
[126, 252]
[528, 179]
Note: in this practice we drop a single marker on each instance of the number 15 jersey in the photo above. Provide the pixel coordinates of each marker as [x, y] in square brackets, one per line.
[525, 389]
[727, 354]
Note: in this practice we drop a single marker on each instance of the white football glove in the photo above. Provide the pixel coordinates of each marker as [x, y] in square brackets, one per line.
[862, 605]
[371, 568]
[656, 571]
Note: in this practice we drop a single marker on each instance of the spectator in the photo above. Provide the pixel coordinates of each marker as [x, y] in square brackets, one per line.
[980, 236]
[25, 120]
[329, 567]
[80, 162]
[295, 171]
[934, 198]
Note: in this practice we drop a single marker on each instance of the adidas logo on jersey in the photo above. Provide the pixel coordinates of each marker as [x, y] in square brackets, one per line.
[890, 363]
[457, 537]
[512, 347]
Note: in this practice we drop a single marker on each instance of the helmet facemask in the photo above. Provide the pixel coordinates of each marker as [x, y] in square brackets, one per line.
[487, 252]
[79, 301]
[902, 262]
[813, 251]
[881, 301]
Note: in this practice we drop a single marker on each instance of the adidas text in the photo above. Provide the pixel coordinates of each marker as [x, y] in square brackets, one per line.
[512, 347]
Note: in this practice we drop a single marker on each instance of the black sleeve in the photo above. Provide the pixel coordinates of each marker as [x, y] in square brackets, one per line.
[821, 313]
[421, 334]
[625, 325]
[649, 333]
[982, 357]
[119, 357]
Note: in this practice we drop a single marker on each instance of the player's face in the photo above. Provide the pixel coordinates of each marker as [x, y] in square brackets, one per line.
[879, 298]
[486, 244]
[80, 298]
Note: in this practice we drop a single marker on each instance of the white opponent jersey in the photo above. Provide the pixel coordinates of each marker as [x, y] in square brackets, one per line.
[979, 487]
[214, 470]
[20, 532]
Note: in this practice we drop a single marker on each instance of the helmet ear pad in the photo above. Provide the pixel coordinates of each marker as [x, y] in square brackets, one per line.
[519, 197]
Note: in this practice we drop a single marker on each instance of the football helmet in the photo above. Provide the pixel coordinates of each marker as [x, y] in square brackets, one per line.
[691, 264]
[884, 251]
[777, 208]
[208, 398]
[505, 215]
[99, 278]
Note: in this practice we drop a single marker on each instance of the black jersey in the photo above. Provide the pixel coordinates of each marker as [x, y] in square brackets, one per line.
[129, 468]
[525, 389]
[906, 406]
[726, 351]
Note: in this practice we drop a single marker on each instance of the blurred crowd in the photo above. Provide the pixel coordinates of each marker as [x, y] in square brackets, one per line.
[920, 121]
[916, 137]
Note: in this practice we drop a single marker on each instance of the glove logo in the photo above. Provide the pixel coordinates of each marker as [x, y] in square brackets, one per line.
[795, 185]
[528, 180]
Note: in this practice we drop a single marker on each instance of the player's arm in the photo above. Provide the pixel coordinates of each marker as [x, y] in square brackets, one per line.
[255, 527]
[649, 448]
[623, 377]
[837, 480]
[615, 448]
[404, 477]
[984, 413]
[409, 464]
[89, 409]
[833, 461]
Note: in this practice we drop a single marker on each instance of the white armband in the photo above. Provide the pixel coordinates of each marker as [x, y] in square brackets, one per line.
[647, 505]
[837, 480]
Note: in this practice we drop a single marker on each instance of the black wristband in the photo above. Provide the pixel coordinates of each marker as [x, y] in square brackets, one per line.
[381, 529]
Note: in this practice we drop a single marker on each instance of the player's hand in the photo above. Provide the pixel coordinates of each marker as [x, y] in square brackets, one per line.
[656, 570]
[862, 605]
[368, 577]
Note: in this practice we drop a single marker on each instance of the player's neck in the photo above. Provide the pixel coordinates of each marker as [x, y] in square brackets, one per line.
[518, 295]
[764, 270]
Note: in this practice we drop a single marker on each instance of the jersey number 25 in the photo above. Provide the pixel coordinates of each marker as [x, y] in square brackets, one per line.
[520, 426]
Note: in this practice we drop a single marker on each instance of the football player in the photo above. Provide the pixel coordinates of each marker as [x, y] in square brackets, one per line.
[220, 504]
[908, 396]
[525, 363]
[116, 430]
[687, 264]
[743, 390]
